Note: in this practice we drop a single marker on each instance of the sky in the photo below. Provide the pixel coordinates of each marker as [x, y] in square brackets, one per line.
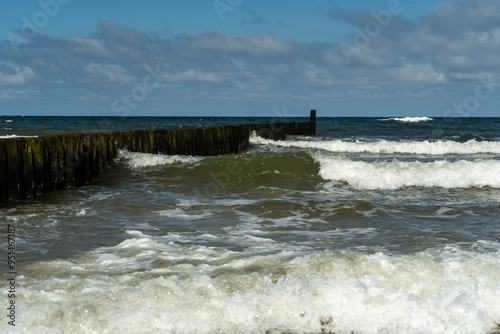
[250, 58]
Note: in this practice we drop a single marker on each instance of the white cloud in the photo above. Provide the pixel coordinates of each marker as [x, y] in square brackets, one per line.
[107, 73]
[415, 74]
[261, 45]
[88, 47]
[456, 18]
[192, 76]
[18, 76]
[11, 94]
[317, 76]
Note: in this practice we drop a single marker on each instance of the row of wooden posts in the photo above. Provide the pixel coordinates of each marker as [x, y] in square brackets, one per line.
[33, 166]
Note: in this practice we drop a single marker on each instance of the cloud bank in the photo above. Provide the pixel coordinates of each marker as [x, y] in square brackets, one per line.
[387, 62]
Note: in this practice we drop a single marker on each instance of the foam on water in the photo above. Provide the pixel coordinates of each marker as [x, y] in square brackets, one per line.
[389, 147]
[409, 119]
[151, 284]
[180, 213]
[138, 160]
[397, 174]
[16, 136]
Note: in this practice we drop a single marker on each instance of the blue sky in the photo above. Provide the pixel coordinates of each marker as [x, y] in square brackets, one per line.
[243, 57]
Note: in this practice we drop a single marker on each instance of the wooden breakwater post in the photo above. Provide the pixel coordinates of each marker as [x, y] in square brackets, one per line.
[33, 166]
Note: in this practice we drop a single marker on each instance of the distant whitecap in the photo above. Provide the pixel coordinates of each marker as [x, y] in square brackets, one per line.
[16, 136]
[409, 119]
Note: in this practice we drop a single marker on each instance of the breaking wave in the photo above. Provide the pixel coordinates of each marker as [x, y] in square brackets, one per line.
[16, 136]
[171, 287]
[396, 174]
[137, 160]
[408, 119]
[390, 147]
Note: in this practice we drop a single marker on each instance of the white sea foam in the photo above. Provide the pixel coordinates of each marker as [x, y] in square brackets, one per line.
[408, 119]
[398, 174]
[181, 214]
[147, 285]
[389, 147]
[82, 212]
[138, 160]
[16, 136]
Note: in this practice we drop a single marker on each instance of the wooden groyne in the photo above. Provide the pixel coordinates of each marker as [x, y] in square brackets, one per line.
[34, 166]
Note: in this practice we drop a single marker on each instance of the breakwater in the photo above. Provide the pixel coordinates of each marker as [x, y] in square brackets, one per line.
[33, 166]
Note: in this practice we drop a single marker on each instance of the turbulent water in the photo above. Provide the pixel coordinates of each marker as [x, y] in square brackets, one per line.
[374, 225]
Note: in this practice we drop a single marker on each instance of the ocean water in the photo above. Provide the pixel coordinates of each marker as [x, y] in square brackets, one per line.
[374, 225]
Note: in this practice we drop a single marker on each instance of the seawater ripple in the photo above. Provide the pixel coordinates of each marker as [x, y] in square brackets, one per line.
[373, 226]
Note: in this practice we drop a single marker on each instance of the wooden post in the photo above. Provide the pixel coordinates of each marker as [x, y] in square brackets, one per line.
[312, 121]
[313, 115]
[30, 167]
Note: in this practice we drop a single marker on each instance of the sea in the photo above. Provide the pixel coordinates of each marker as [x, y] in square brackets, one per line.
[373, 225]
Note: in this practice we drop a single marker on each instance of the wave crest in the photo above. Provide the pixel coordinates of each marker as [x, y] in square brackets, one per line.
[137, 160]
[397, 174]
[409, 119]
[390, 147]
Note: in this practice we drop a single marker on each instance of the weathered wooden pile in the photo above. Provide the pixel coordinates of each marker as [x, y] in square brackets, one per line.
[33, 166]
